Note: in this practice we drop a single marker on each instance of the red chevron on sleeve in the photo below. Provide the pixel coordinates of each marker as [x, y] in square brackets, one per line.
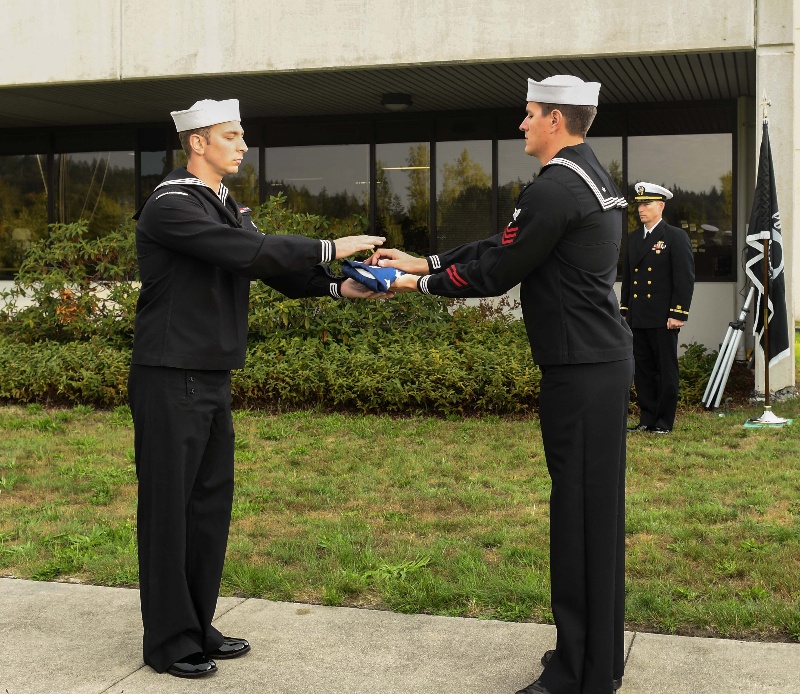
[509, 235]
[455, 278]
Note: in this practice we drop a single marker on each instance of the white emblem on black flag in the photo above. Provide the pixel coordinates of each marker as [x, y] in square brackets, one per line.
[765, 223]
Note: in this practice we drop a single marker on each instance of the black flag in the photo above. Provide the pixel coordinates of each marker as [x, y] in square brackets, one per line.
[765, 223]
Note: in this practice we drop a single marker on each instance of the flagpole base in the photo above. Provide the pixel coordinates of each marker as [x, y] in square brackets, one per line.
[767, 419]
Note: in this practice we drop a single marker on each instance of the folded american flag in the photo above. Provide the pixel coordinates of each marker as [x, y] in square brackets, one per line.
[378, 279]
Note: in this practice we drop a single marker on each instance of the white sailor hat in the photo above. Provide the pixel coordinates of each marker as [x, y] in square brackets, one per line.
[650, 191]
[563, 89]
[206, 112]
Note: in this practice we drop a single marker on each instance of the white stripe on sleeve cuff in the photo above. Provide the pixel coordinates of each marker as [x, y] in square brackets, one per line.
[334, 289]
[423, 284]
[436, 264]
[328, 251]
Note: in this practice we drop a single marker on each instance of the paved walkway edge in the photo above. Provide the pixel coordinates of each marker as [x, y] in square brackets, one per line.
[61, 638]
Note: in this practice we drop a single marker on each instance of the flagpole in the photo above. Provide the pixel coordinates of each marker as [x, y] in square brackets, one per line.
[768, 417]
[765, 309]
[765, 104]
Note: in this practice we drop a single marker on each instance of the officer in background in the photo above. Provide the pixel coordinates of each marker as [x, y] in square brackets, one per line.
[657, 287]
[562, 244]
[197, 251]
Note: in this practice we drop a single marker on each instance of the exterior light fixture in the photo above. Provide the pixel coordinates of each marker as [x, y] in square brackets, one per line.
[396, 102]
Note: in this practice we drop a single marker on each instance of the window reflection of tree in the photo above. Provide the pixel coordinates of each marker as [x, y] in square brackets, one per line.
[23, 208]
[464, 202]
[405, 224]
[95, 190]
[337, 205]
[327, 180]
[615, 171]
[242, 185]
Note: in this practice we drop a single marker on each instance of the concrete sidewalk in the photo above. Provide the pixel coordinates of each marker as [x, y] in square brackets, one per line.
[72, 639]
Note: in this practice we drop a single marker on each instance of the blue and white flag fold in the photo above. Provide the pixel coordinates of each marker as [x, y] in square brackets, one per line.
[378, 279]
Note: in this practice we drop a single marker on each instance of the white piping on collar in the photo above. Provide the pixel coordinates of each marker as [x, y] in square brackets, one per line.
[607, 203]
[222, 193]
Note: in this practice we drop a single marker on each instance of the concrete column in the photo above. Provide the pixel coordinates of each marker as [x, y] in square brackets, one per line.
[777, 74]
[796, 93]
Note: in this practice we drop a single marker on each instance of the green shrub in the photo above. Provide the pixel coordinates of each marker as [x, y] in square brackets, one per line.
[400, 375]
[696, 365]
[273, 217]
[91, 372]
[80, 287]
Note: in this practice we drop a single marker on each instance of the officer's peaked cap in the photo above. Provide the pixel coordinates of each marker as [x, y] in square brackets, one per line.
[650, 191]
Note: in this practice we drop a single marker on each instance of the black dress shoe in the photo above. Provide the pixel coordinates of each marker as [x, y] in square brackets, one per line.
[230, 648]
[534, 688]
[549, 654]
[659, 430]
[194, 665]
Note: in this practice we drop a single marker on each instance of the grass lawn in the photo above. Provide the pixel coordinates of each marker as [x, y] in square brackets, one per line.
[442, 516]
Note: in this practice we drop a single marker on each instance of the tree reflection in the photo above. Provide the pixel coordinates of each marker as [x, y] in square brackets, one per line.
[464, 203]
[95, 189]
[405, 224]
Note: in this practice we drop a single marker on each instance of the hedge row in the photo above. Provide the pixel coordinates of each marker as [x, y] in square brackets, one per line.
[398, 376]
[70, 373]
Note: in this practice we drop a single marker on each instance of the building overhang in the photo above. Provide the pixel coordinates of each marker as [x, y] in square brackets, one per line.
[647, 79]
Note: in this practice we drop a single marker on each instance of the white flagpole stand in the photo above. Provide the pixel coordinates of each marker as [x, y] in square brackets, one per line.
[726, 356]
[767, 419]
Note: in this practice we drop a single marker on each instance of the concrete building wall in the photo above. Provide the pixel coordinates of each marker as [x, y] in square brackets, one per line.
[776, 72]
[45, 41]
[795, 193]
[95, 40]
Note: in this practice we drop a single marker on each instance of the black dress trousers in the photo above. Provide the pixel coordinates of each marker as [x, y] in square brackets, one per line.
[184, 462]
[583, 414]
[657, 375]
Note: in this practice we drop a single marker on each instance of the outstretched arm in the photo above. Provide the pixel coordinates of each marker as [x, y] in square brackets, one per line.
[391, 257]
[355, 290]
[407, 284]
[348, 245]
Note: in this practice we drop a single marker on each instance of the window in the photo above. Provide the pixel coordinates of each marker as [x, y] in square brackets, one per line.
[95, 186]
[608, 151]
[23, 208]
[403, 175]
[330, 180]
[698, 171]
[154, 168]
[514, 170]
[242, 185]
[463, 192]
